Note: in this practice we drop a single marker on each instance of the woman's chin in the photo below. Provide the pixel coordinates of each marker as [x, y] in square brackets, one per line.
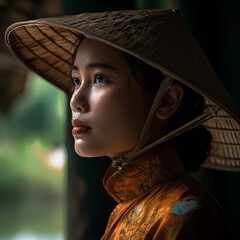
[85, 153]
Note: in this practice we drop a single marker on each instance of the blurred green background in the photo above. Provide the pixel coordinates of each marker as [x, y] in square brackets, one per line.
[32, 160]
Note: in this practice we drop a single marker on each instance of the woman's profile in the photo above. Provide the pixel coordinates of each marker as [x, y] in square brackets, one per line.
[144, 94]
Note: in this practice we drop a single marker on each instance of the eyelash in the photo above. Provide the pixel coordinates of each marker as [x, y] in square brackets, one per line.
[77, 81]
[103, 77]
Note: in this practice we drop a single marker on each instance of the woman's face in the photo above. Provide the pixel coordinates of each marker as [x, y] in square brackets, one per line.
[109, 107]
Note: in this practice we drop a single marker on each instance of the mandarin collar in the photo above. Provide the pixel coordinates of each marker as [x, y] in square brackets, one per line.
[141, 174]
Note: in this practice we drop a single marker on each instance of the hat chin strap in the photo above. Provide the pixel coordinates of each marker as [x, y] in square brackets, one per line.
[121, 161]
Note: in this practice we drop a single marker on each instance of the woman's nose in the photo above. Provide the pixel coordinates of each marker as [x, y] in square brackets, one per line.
[79, 100]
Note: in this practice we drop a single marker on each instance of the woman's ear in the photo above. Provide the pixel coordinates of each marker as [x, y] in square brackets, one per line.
[170, 101]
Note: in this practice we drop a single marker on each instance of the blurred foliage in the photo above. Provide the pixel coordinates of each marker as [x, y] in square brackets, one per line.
[39, 113]
[42, 219]
[33, 129]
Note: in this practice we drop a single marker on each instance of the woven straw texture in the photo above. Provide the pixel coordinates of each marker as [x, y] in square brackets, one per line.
[158, 37]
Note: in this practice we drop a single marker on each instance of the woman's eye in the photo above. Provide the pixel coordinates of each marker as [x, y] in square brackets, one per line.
[99, 79]
[76, 81]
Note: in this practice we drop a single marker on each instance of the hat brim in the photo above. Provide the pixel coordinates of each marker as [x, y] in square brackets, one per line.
[157, 37]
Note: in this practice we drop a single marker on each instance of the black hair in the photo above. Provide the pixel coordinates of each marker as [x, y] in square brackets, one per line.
[193, 146]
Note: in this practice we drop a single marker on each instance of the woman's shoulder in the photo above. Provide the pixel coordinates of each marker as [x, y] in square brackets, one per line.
[190, 210]
[184, 195]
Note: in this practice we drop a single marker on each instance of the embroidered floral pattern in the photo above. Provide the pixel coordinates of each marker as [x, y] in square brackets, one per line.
[156, 201]
[141, 175]
[135, 229]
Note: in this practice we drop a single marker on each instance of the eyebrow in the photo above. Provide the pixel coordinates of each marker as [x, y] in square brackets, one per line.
[96, 65]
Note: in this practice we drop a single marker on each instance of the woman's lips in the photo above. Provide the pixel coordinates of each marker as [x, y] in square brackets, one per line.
[79, 127]
[79, 130]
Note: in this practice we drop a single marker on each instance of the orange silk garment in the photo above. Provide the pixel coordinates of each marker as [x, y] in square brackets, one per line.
[159, 200]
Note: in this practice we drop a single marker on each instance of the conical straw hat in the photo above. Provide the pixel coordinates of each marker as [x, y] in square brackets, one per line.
[158, 37]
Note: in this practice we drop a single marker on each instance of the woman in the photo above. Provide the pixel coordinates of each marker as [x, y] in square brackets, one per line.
[141, 91]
